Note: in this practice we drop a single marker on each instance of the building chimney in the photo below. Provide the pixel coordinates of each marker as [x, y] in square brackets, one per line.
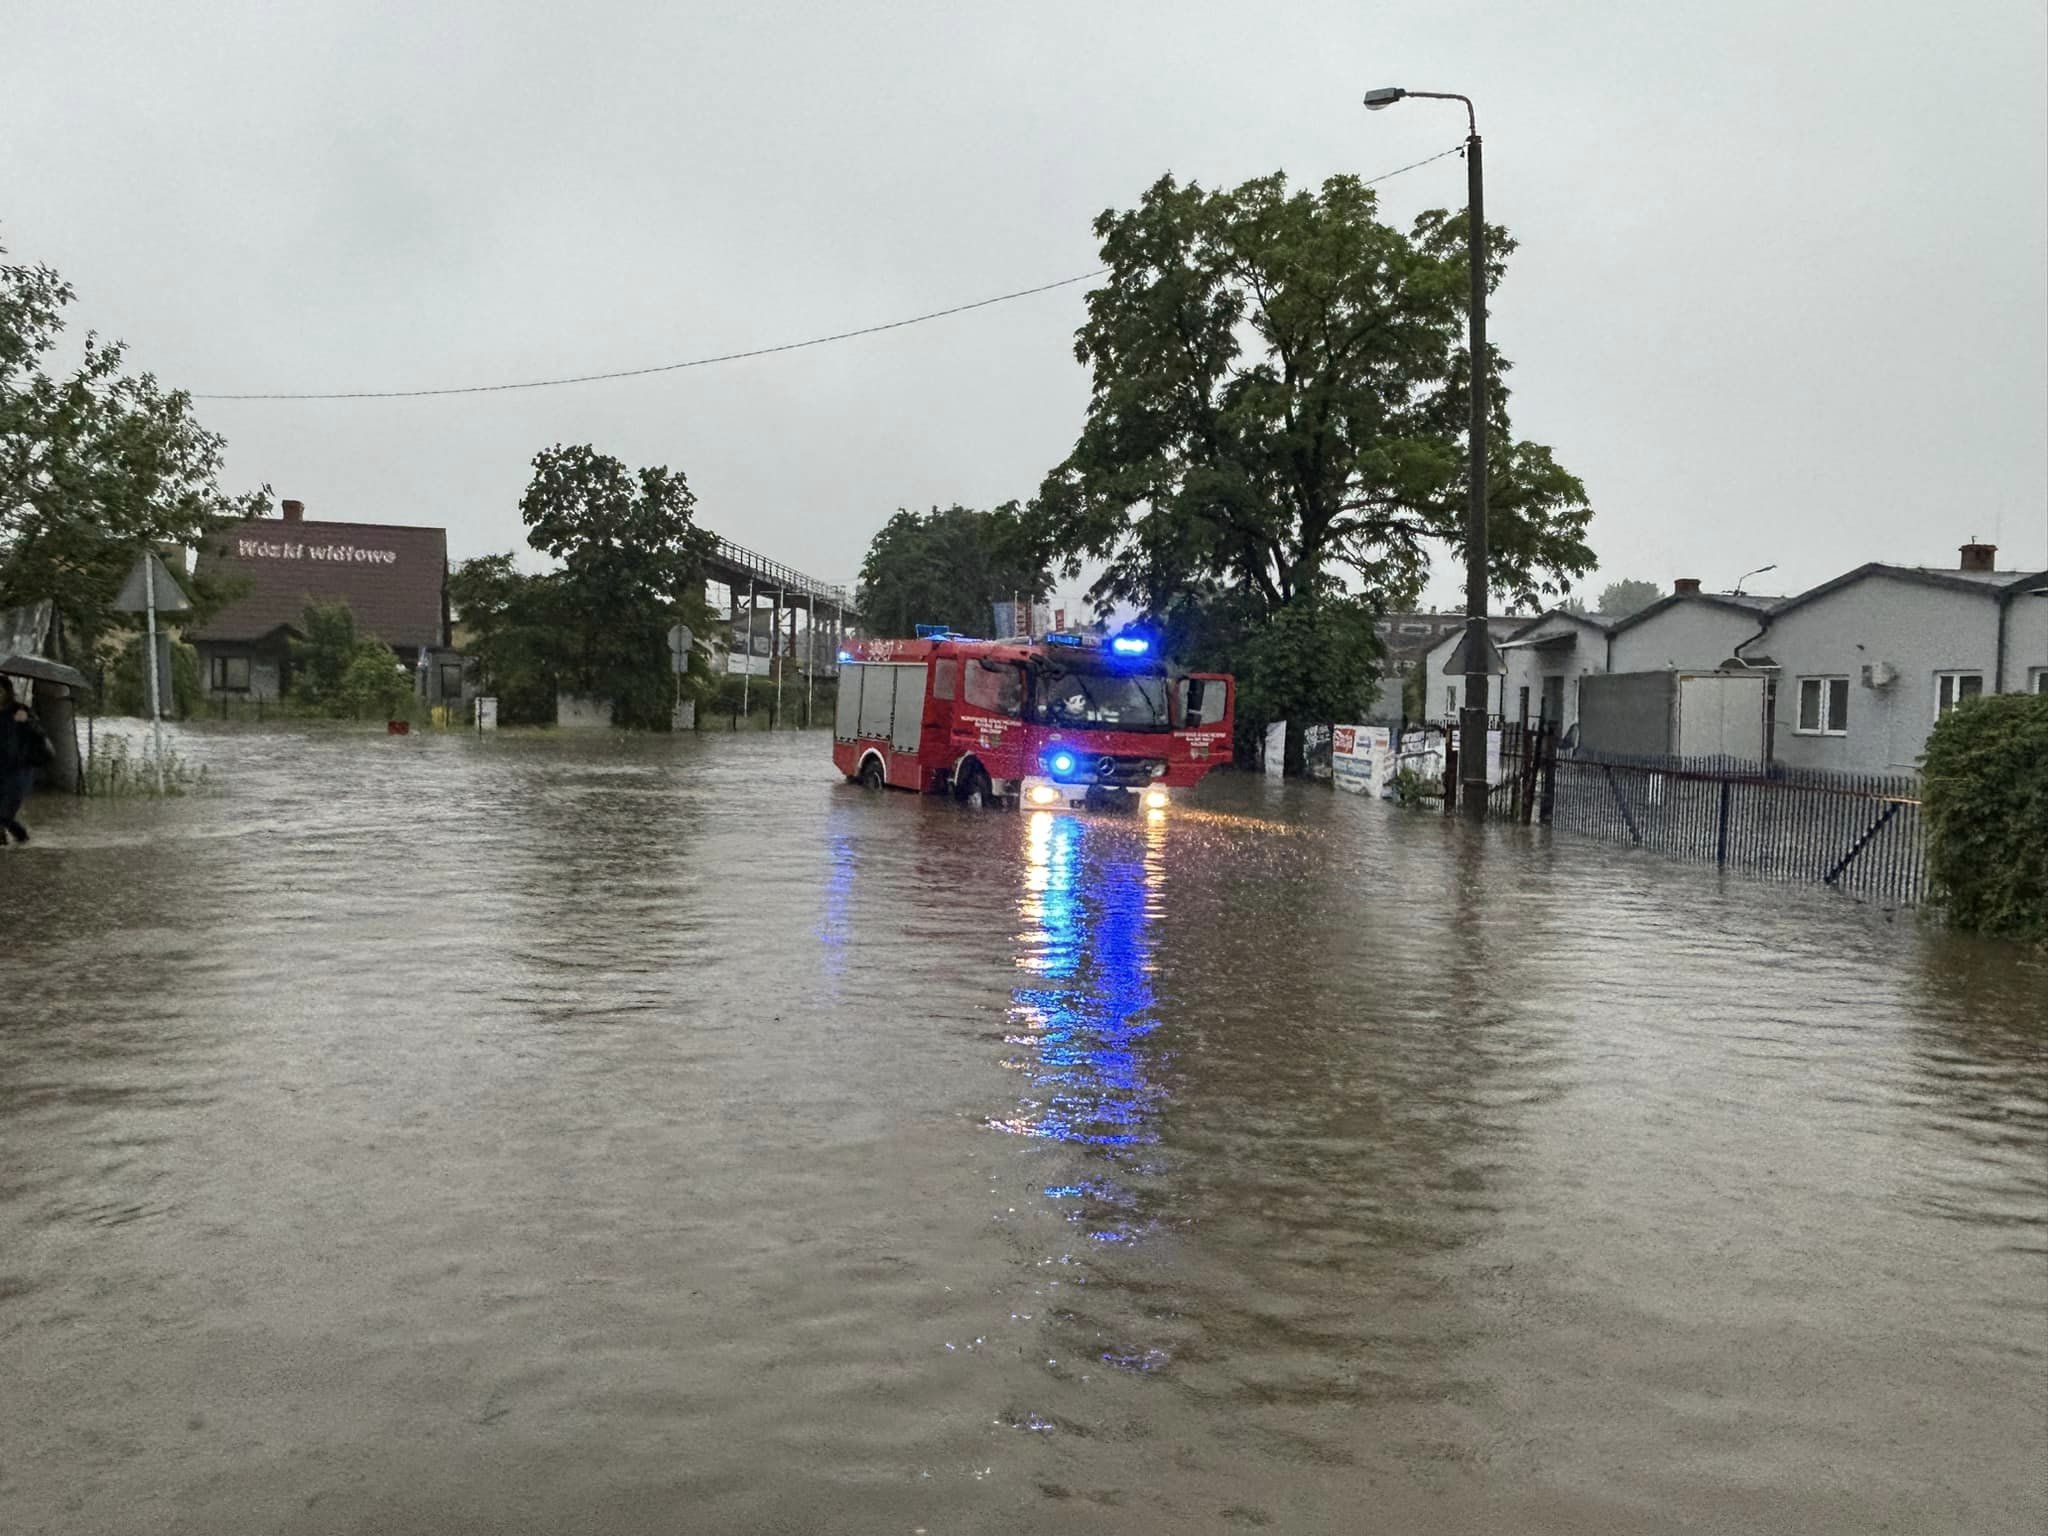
[1979, 557]
[1686, 586]
[295, 511]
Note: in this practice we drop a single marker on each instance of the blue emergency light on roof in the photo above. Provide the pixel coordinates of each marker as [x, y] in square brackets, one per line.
[1130, 645]
[934, 631]
[846, 655]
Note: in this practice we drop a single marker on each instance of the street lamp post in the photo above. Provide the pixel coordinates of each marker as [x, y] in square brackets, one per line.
[1737, 592]
[1478, 646]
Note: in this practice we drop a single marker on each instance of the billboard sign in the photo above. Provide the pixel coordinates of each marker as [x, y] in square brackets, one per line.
[1362, 759]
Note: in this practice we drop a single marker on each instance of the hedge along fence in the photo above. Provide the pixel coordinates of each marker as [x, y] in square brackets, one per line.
[1986, 805]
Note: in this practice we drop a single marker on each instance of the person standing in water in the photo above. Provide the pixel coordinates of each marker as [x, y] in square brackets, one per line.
[23, 749]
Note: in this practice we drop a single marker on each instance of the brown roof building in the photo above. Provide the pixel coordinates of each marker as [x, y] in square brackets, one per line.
[394, 579]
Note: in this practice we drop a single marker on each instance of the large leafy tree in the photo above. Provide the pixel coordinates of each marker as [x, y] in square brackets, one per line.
[514, 628]
[1275, 442]
[631, 565]
[947, 567]
[96, 465]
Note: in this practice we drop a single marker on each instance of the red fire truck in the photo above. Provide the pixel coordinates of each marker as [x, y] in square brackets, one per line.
[1061, 720]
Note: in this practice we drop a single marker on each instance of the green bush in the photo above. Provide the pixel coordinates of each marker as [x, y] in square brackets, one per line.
[128, 681]
[345, 674]
[1986, 805]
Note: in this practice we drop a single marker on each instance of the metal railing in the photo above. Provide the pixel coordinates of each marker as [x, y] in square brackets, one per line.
[1860, 833]
[774, 576]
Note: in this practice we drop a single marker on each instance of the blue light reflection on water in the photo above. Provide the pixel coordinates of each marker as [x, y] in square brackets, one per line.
[1085, 1016]
[833, 926]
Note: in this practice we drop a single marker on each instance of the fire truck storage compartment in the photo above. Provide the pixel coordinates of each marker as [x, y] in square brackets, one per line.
[881, 699]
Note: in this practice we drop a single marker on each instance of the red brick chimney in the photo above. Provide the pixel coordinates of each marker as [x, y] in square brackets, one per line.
[294, 511]
[1979, 557]
[1686, 586]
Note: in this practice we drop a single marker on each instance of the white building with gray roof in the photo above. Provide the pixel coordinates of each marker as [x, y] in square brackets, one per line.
[1865, 664]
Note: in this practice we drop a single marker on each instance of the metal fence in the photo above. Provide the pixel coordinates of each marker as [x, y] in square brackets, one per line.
[1860, 833]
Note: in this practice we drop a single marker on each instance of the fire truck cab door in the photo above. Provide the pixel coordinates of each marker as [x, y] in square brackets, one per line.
[1204, 706]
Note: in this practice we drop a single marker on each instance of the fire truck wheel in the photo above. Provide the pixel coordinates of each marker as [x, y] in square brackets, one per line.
[871, 774]
[975, 782]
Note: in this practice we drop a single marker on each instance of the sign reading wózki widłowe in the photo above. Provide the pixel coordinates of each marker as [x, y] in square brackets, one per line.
[337, 554]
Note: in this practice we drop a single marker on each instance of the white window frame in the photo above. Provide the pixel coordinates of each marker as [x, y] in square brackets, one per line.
[1952, 676]
[2039, 675]
[1829, 726]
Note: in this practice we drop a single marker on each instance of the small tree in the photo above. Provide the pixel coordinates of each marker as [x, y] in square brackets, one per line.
[342, 673]
[516, 634]
[373, 685]
[128, 680]
[1986, 804]
[1619, 599]
[321, 658]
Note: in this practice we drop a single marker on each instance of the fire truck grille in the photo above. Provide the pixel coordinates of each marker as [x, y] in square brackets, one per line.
[1129, 772]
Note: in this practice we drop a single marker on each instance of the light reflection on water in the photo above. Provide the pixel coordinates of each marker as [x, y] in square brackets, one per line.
[1087, 1016]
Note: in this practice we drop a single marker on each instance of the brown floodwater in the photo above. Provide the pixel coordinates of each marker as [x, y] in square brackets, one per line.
[550, 1135]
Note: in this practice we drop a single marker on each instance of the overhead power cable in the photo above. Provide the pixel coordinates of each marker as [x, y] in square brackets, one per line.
[722, 357]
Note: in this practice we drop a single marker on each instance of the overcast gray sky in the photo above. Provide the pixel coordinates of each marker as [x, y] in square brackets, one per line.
[1782, 292]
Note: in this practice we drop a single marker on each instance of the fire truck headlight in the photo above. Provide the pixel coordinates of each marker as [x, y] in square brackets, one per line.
[1061, 763]
[1155, 799]
[1044, 794]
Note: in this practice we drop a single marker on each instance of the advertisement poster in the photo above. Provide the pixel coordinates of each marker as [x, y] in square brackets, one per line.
[1362, 759]
[1276, 749]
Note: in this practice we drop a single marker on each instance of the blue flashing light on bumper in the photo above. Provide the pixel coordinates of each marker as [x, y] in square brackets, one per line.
[1061, 763]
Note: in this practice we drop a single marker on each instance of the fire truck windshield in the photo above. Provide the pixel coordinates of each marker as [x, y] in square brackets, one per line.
[1124, 698]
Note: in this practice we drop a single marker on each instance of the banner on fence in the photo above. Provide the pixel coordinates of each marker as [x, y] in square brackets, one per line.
[1362, 759]
[1276, 750]
[1421, 752]
[1315, 751]
[1493, 768]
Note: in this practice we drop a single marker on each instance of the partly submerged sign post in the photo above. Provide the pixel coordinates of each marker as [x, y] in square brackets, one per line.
[149, 590]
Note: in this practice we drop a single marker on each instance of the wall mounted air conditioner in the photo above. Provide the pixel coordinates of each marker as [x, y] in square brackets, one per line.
[1879, 674]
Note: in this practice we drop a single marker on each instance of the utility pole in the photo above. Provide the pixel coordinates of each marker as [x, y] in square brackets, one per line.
[775, 714]
[747, 677]
[1478, 644]
[156, 703]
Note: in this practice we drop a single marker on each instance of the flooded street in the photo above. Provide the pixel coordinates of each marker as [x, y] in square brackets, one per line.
[544, 1135]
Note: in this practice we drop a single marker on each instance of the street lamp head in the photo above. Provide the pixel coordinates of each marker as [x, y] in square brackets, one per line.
[1383, 97]
[1737, 591]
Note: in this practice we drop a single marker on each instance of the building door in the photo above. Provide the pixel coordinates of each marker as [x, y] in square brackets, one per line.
[1553, 700]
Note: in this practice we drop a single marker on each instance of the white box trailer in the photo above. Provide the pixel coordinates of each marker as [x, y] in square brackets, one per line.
[1675, 714]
